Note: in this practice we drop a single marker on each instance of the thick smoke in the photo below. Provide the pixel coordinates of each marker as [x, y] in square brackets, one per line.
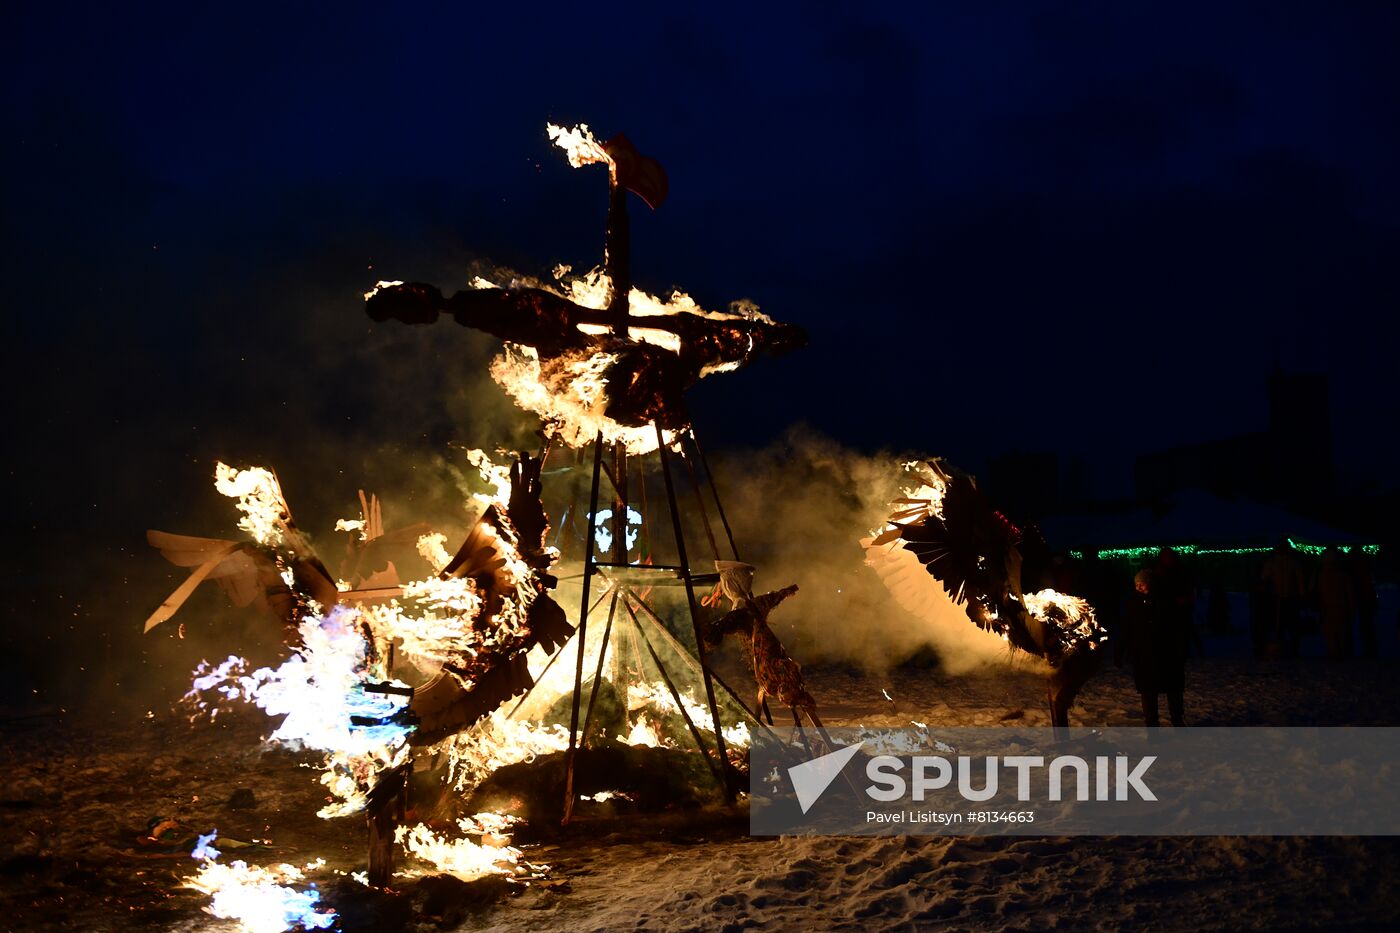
[800, 509]
[332, 402]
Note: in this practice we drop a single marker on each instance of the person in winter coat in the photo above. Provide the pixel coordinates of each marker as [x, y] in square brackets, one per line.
[1155, 642]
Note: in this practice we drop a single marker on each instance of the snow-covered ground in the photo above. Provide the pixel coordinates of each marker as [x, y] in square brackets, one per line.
[79, 793]
[919, 883]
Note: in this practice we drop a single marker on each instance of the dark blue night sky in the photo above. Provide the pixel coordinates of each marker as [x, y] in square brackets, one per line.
[1084, 228]
[1045, 225]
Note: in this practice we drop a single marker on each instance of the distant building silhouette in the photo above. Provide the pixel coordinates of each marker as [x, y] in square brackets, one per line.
[1289, 462]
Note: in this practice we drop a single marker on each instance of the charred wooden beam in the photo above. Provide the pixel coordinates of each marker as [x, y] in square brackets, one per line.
[386, 809]
[550, 323]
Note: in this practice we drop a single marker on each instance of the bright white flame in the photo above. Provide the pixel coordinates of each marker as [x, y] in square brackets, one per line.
[1074, 617]
[351, 524]
[496, 476]
[439, 626]
[498, 741]
[260, 899]
[658, 696]
[568, 393]
[374, 291]
[581, 146]
[259, 499]
[318, 689]
[642, 733]
[433, 547]
[464, 857]
[593, 289]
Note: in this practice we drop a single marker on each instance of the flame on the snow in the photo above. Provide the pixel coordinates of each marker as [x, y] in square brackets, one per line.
[318, 689]
[261, 900]
[464, 857]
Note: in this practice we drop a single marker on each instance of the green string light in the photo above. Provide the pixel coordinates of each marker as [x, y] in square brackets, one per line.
[1149, 551]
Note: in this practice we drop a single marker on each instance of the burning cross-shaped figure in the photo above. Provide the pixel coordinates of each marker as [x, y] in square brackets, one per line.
[593, 354]
[603, 363]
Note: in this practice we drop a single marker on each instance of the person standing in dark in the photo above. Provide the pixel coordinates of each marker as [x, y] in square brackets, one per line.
[1175, 590]
[1284, 585]
[1365, 595]
[1336, 602]
[1155, 643]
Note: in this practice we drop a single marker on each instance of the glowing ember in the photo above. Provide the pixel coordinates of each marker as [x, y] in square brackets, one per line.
[379, 285]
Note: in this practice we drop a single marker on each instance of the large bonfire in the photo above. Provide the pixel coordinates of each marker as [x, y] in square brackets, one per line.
[384, 672]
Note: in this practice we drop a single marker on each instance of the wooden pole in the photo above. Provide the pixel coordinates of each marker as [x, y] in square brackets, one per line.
[581, 635]
[385, 810]
[617, 258]
[670, 641]
[719, 507]
[714, 490]
[598, 674]
[556, 656]
[730, 789]
[715, 769]
[700, 501]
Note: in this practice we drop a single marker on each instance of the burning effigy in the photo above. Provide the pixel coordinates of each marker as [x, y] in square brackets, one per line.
[943, 535]
[385, 672]
[774, 671]
[460, 637]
